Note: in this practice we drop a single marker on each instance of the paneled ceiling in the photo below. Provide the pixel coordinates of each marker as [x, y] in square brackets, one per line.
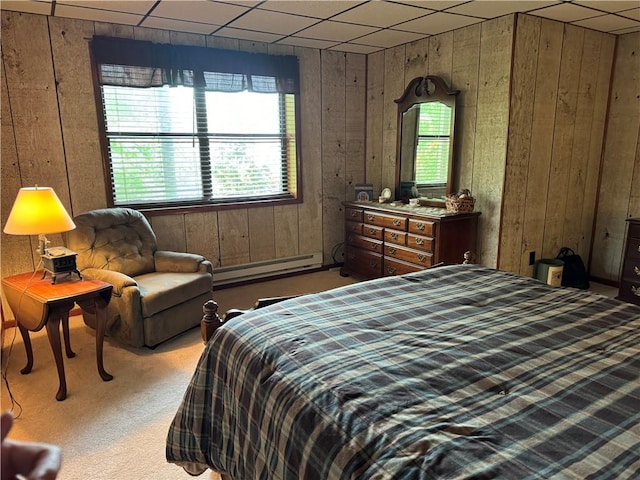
[344, 25]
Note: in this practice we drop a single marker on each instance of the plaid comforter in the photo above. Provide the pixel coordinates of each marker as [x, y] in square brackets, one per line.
[454, 372]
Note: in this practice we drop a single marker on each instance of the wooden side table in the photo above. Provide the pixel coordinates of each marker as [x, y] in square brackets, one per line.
[37, 303]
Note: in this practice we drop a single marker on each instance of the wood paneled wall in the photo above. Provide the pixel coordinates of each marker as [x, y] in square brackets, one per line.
[560, 89]
[50, 137]
[619, 195]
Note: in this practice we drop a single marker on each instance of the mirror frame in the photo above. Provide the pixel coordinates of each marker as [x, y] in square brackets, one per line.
[430, 88]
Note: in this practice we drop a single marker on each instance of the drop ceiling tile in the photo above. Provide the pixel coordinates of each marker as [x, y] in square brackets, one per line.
[493, 9]
[433, 4]
[139, 7]
[40, 8]
[612, 6]
[634, 14]
[242, 3]
[389, 38]
[340, 32]
[354, 48]
[566, 12]
[379, 14]
[627, 30]
[306, 42]
[310, 8]
[97, 15]
[437, 23]
[179, 25]
[607, 23]
[247, 35]
[199, 11]
[272, 22]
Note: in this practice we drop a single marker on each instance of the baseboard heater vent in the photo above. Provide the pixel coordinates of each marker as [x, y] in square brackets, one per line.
[257, 270]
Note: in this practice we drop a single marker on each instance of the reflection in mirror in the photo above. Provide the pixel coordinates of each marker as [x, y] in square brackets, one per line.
[426, 117]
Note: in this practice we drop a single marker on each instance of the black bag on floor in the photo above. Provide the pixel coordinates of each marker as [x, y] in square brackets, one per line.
[574, 273]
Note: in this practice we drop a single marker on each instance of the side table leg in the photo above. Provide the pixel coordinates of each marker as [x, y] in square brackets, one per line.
[101, 317]
[65, 333]
[27, 346]
[53, 333]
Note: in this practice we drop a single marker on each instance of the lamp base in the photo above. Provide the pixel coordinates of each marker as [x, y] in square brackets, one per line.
[59, 260]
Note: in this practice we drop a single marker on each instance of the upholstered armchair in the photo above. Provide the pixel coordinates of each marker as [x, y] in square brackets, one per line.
[156, 294]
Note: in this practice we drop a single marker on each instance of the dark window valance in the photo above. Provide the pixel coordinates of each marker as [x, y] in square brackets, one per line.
[124, 62]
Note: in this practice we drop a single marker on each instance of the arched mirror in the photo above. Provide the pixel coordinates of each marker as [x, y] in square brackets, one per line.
[426, 117]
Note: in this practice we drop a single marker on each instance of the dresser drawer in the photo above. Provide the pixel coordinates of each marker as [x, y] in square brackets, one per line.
[422, 227]
[634, 231]
[631, 269]
[364, 243]
[423, 259]
[372, 231]
[361, 262]
[353, 227]
[419, 242]
[394, 236]
[387, 221]
[633, 249]
[397, 267]
[353, 214]
[630, 291]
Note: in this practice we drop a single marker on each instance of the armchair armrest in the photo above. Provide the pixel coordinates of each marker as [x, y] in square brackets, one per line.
[180, 262]
[119, 280]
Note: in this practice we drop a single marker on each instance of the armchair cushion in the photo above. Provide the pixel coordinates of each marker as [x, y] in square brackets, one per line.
[118, 239]
[162, 290]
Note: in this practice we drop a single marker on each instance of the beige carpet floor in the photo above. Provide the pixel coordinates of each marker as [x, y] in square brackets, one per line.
[117, 429]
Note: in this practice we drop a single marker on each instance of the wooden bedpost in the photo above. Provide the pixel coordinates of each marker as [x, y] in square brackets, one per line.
[210, 321]
[469, 257]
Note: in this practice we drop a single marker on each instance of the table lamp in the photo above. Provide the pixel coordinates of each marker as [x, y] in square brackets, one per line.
[39, 211]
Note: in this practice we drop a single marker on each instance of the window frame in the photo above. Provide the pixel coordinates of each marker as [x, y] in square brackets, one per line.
[295, 195]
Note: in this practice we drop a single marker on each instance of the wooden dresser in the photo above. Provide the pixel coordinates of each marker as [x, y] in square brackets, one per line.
[630, 277]
[382, 239]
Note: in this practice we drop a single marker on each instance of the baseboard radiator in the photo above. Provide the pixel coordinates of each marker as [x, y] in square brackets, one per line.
[268, 268]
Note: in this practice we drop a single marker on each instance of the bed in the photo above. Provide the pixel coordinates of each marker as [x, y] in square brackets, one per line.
[454, 372]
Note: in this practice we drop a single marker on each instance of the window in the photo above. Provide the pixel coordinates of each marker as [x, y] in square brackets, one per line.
[220, 132]
[432, 147]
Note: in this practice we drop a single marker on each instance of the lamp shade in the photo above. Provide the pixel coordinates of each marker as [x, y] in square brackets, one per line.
[36, 211]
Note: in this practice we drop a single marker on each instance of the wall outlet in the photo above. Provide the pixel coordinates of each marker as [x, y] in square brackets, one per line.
[532, 258]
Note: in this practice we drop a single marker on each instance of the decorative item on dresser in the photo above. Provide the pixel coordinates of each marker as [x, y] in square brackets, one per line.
[384, 240]
[630, 276]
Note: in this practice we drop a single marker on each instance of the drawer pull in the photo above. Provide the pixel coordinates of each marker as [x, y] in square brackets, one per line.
[422, 258]
[372, 231]
[373, 264]
[419, 241]
[396, 222]
[420, 226]
[391, 270]
[637, 270]
[374, 246]
[370, 217]
[394, 236]
[635, 290]
[392, 250]
[353, 213]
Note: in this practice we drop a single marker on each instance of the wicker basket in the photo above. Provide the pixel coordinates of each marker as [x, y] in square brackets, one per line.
[460, 205]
